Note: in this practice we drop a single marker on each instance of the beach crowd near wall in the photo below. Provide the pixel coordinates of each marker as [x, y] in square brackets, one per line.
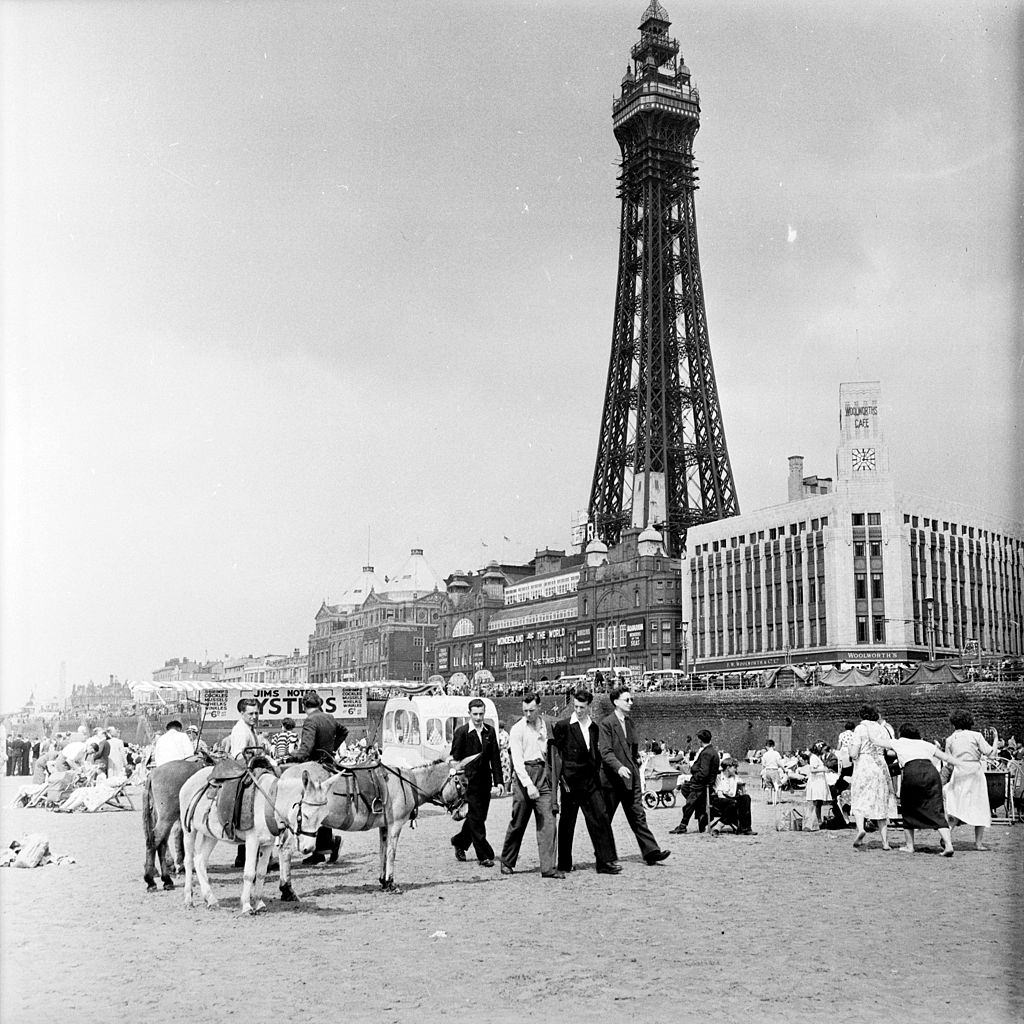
[739, 719]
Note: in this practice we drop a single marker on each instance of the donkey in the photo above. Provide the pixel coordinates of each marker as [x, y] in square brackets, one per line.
[285, 809]
[385, 798]
[161, 814]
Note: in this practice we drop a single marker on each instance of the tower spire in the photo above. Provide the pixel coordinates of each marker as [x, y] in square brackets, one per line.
[662, 458]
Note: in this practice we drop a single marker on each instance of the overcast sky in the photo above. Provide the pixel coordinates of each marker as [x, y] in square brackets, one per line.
[288, 282]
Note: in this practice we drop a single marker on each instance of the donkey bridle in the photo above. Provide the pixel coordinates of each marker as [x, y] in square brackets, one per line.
[457, 774]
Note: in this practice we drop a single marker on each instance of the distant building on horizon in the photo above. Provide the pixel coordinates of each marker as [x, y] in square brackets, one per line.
[378, 629]
[176, 669]
[863, 573]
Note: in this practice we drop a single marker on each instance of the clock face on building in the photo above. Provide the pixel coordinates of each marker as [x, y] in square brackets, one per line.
[862, 458]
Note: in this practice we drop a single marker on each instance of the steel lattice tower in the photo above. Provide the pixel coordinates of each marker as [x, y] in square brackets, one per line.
[662, 458]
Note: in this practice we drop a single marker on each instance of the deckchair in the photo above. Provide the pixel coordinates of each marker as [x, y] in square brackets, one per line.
[119, 800]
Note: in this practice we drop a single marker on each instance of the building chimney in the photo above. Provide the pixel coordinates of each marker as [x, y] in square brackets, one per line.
[796, 477]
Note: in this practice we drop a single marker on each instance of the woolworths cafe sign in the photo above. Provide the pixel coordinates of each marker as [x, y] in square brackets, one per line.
[801, 657]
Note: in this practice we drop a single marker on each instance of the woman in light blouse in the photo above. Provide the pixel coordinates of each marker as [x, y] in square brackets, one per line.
[966, 793]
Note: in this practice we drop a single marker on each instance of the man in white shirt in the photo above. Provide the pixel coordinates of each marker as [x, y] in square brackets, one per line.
[531, 789]
[171, 745]
[243, 743]
[730, 800]
[771, 766]
[118, 758]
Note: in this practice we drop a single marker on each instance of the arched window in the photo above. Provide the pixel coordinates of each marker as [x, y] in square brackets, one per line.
[464, 627]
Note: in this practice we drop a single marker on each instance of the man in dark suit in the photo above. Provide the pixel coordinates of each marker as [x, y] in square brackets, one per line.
[703, 773]
[619, 755]
[321, 737]
[477, 738]
[578, 786]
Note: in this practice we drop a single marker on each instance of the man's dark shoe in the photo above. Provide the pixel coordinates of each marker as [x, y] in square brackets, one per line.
[487, 862]
[609, 869]
[459, 854]
[335, 849]
[552, 874]
[314, 858]
[747, 832]
[657, 858]
[679, 830]
[506, 870]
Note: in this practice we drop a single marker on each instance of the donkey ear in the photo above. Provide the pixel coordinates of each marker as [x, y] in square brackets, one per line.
[305, 778]
[466, 760]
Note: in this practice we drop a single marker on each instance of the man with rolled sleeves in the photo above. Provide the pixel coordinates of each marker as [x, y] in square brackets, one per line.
[532, 751]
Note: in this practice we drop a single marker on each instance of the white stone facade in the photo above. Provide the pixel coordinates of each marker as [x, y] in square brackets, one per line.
[845, 576]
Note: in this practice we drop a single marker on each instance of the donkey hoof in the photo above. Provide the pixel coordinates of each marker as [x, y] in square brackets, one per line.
[151, 887]
[168, 885]
[212, 904]
[288, 894]
[260, 907]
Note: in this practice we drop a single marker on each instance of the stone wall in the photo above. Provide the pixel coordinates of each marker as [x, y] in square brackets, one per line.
[739, 719]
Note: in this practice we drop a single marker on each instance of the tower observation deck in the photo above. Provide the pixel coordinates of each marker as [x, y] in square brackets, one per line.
[662, 459]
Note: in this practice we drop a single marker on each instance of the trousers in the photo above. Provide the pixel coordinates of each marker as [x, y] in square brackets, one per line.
[474, 826]
[631, 799]
[590, 801]
[733, 810]
[540, 809]
[696, 803]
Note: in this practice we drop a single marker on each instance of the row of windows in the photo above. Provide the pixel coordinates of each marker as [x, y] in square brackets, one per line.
[520, 592]
[878, 629]
[774, 533]
[873, 518]
[860, 586]
[967, 531]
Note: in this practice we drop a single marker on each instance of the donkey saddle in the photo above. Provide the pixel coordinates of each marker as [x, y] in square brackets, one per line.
[366, 785]
[232, 786]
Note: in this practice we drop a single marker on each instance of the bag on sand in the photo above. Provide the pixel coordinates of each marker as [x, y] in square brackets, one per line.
[35, 851]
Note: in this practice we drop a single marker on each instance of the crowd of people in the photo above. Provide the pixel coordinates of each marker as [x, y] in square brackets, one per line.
[557, 769]
[876, 773]
[78, 770]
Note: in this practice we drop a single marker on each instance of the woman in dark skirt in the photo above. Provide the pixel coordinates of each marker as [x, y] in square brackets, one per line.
[921, 788]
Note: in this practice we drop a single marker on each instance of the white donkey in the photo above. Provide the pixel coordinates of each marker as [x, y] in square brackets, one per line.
[288, 810]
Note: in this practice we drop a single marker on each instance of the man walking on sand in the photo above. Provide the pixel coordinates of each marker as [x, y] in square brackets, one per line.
[620, 758]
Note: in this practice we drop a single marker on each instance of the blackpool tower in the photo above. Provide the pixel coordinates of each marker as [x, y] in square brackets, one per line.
[662, 460]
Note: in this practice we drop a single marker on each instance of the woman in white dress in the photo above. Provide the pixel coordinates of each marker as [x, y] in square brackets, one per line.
[966, 793]
[817, 792]
[871, 793]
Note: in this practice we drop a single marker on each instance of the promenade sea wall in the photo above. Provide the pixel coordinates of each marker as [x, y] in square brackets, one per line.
[739, 719]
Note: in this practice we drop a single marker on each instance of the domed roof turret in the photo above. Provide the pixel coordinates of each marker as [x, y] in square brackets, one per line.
[354, 595]
[416, 577]
[597, 552]
[650, 542]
